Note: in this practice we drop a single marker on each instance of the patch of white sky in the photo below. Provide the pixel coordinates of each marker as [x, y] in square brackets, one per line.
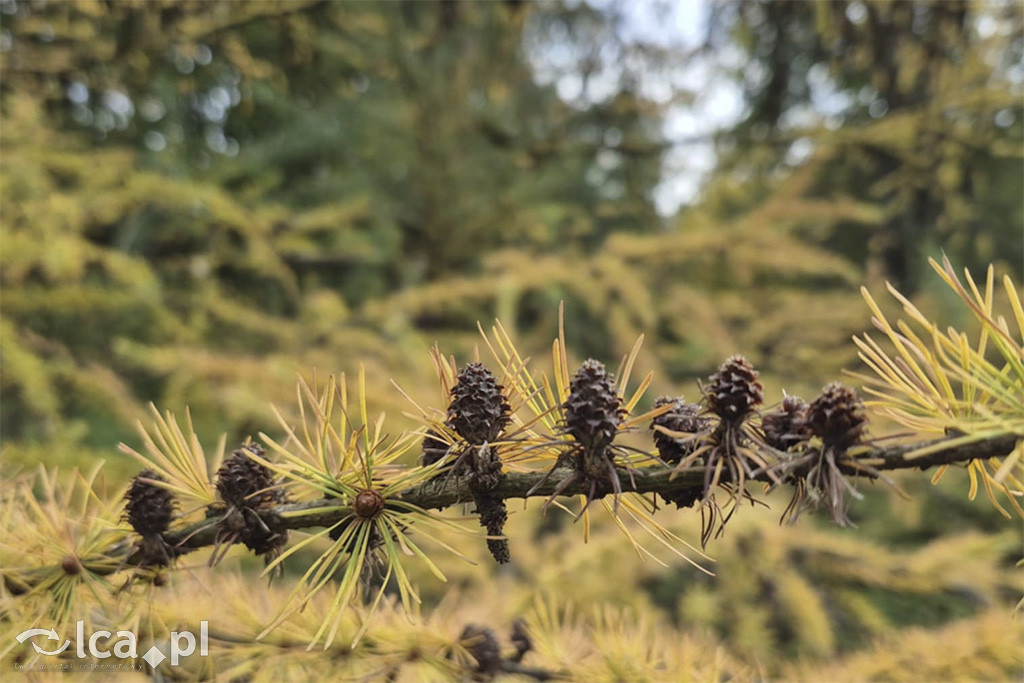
[709, 102]
[716, 102]
[689, 126]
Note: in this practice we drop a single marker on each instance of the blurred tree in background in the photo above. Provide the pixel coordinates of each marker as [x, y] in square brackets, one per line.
[201, 199]
[911, 110]
[263, 172]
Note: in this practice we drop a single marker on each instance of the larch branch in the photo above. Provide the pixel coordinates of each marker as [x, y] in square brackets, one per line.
[448, 491]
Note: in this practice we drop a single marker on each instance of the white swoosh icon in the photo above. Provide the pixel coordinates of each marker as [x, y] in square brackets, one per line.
[50, 635]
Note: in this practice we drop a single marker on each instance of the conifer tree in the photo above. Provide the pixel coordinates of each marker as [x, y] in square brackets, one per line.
[409, 205]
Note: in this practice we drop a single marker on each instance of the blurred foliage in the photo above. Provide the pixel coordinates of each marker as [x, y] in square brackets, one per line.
[787, 601]
[200, 200]
[922, 131]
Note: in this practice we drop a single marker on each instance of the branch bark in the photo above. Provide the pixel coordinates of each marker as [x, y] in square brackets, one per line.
[448, 491]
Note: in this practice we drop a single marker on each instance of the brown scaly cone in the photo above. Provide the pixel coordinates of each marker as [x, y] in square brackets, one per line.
[787, 426]
[149, 508]
[734, 392]
[434, 448]
[243, 482]
[489, 664]
[246, 487]
[483, 646]
[521, 639]
[593, 413]
[479, 412]
[493, 515]
[838, 418]
[733, 452]
[683, 418]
